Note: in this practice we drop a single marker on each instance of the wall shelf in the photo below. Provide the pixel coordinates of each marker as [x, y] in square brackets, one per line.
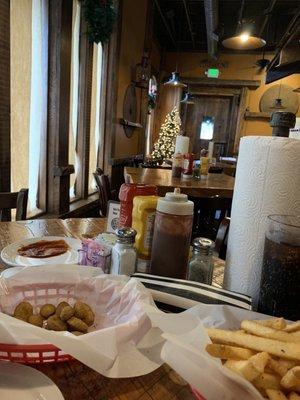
[257, 115]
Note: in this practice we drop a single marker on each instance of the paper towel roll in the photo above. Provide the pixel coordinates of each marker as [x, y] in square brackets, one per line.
[267, 182]
[182, 144]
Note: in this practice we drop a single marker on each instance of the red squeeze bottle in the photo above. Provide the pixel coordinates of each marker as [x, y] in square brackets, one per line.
[126, 194]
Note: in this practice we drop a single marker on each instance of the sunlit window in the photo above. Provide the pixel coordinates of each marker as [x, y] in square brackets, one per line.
[73, 156]
[96, 117]
[29, 85]
[207, 128]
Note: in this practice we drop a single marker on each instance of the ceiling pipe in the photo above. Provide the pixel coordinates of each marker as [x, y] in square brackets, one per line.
[267, 16]
[189, 22]
[212, 21]
[165, 22]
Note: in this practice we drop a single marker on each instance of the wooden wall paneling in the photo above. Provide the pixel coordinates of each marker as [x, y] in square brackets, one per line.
[113, 54]
[240, 117]
[84, 110]
[4, 96]
[233, 116]
[60, 37]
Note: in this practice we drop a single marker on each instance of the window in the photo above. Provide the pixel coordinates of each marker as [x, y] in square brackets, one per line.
[207, 128]
[29, 73]
[93, 128]
[41, 147]
[74, 92]
[96, 114]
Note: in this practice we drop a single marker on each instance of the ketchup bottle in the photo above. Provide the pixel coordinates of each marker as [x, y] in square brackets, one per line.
[126, 194]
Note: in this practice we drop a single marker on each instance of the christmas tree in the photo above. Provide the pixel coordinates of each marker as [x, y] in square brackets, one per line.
[164, 147]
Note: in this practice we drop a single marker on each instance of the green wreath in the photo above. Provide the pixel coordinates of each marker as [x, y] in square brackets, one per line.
[100, 16]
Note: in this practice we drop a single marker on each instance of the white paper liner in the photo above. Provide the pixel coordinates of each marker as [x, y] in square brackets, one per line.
[184, 349]
[120, 344]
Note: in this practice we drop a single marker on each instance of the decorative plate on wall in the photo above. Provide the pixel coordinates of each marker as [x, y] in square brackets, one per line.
[289, 99]
[130, 111]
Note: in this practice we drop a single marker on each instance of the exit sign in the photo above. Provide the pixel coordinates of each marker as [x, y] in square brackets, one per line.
[212, 73]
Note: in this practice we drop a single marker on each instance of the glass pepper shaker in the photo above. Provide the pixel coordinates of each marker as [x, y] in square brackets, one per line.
[124, 256]
[201, 264]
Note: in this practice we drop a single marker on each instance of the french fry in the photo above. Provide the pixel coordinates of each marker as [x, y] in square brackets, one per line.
[225, 352]
[277, 367]
[259, 361]
[290, 351]
[293, 327]
[267, 381]
[275, 323]
[244, 368]
[291, 380]
[288, 364]
[276, 394]
[294, 396]
[269, 333]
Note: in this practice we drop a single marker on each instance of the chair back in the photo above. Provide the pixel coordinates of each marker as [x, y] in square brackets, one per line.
[103, 186]
[15, 200]
[222, 237]
[208, 214]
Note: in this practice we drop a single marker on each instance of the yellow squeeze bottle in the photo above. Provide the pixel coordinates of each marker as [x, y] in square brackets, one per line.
[143, 215]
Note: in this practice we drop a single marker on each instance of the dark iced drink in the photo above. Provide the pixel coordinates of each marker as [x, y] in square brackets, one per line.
[280, 280]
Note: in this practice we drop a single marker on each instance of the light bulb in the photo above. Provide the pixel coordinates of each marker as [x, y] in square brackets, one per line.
[244, 37]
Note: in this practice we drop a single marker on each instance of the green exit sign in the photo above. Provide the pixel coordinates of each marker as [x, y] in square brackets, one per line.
[212, 73]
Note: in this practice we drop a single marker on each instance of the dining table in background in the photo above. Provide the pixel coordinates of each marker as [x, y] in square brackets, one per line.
[75, 380]
[215, 184]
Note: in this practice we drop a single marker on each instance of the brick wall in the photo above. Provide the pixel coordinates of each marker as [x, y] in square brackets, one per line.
[4, 96]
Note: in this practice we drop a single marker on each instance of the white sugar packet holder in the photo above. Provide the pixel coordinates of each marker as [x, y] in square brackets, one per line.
[121, 343]
[184, 350]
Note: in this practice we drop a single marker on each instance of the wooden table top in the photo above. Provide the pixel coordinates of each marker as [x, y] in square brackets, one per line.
[75, 380]
[214, 184]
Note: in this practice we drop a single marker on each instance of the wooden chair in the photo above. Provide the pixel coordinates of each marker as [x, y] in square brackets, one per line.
[16, 200]
[208, 214]
[105, 193]
[221, 238]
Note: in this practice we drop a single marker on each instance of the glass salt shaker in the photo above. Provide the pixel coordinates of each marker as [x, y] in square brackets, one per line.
[124, 256]
[201, 264]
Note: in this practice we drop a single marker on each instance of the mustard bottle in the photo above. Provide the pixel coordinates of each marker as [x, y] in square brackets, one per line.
[143, 216]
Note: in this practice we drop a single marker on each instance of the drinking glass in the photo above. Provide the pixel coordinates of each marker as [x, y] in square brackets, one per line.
[280, 279]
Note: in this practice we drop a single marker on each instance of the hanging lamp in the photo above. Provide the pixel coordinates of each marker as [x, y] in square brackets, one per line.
[278, 102]
[243, 39]
[187, 99]
[175, 81]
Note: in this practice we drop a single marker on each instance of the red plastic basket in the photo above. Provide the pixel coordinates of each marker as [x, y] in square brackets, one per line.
[37, 295]
[32, 354]
[197, 395]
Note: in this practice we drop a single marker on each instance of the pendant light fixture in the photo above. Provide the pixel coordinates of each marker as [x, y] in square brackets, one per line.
[278, 102]
[243, 39]
[187, 99]
[174, 80]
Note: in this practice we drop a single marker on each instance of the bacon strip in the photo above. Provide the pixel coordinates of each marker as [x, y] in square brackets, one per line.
[44, 249]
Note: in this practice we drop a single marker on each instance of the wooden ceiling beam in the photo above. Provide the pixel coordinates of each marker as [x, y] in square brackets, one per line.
[189, 22]
[212, 21]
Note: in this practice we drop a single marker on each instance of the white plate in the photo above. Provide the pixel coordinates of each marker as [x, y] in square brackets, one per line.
[11, 257]
[19, 382]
